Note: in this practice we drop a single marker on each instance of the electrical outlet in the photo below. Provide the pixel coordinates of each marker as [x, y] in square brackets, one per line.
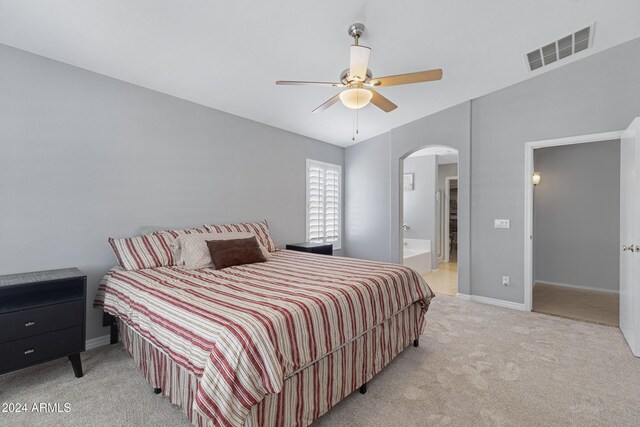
[505, 280]
[501, 223]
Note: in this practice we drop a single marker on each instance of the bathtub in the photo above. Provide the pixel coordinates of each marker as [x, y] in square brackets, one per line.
[416, 254]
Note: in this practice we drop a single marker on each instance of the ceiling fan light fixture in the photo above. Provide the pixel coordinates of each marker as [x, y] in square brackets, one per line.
[360, 86]
[356, 98]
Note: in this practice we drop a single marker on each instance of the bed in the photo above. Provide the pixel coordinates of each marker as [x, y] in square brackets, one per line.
[266, 344]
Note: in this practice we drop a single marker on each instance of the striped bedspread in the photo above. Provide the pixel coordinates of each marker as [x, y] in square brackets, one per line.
[244, 329]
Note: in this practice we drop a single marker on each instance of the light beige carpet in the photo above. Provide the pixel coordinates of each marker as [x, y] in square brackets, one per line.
[579, 304]
[477, 365]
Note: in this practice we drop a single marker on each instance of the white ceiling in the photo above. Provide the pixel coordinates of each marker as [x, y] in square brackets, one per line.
[228, 54]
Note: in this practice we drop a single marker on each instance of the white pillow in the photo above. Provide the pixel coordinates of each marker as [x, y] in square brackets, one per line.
[191, 251]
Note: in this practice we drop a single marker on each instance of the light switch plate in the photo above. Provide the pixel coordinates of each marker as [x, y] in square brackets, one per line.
[501, 223]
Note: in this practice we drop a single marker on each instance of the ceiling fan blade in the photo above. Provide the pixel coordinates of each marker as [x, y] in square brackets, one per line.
[300, 83]
[358, 62]
[327, 104]
[409, 78]
[381, 102]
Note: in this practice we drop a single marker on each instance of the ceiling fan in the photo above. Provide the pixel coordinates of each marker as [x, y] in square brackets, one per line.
[359, 82]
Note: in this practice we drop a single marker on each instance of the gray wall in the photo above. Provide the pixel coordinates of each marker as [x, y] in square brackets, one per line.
[599, 93]
[374, 187]
[577, 215]
[420, 204]
[444, 171]
[85, 157]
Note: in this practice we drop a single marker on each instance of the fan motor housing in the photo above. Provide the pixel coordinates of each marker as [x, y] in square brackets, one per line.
[346, 79]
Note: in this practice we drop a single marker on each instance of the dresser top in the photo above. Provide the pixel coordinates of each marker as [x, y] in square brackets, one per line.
[40, 276]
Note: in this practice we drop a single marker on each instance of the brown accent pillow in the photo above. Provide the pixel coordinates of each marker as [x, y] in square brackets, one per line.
[227, 253]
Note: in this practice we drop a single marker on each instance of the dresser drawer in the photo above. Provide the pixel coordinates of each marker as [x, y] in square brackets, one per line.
[28, 351]
[36, 321]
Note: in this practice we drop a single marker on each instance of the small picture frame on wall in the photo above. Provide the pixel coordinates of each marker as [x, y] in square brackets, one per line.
[407, 182]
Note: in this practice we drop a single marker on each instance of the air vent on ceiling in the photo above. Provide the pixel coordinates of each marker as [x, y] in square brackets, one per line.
[566, 46]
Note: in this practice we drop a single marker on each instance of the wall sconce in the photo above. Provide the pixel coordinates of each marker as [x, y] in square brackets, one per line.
[535, 178]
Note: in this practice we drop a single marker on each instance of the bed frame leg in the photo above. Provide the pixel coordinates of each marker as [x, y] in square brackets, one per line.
[416, 343]
[114, 334]
[363, 388]
[157, 390]
[109, 320]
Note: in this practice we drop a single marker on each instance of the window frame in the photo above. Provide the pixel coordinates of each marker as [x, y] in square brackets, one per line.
[325, 165]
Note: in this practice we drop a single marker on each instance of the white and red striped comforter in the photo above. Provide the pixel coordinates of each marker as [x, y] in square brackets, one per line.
[244, 329]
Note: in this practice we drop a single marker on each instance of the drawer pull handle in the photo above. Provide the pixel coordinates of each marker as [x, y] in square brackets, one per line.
[29, 324]
[29, 351]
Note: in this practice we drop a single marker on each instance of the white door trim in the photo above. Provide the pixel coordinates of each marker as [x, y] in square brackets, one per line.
[492, 301]
[528, 197]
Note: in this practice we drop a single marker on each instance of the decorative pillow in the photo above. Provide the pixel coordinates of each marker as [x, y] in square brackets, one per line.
[174, 233]
[191, 251]
[227, 253]
[260, 230]
[135, 253]
[171, 236]
[239, 235]
[144, 230]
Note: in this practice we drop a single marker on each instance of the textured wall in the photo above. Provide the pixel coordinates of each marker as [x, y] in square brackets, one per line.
[85, 157]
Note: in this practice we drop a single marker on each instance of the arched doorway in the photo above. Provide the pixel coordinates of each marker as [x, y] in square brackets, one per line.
[428, 217]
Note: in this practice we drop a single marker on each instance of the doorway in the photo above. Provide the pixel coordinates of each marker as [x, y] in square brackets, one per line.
[449, 221]
[549, 292]
[576, 224]
[429, 216]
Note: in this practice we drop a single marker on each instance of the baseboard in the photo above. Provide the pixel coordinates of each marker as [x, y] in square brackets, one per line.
[566, 285]
[97, 342]
[492, 301]
[498, 302]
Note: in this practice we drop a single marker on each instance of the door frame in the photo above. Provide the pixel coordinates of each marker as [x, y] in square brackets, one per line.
[400, 221]
[528, 197]
[447, 188]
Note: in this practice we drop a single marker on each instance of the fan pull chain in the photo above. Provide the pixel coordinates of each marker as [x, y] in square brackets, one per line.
[354, 124]
[357, 131]
[353, 129]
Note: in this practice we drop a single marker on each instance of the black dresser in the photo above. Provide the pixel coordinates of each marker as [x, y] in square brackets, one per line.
[42, 317]
[314, 248]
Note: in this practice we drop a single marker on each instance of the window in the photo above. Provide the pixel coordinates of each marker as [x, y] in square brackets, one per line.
[324, 202]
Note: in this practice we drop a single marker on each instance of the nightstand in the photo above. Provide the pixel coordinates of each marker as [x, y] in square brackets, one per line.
[314, 248]
[42, 317]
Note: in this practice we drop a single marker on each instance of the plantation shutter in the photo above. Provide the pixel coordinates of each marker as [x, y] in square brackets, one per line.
[323, 203]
